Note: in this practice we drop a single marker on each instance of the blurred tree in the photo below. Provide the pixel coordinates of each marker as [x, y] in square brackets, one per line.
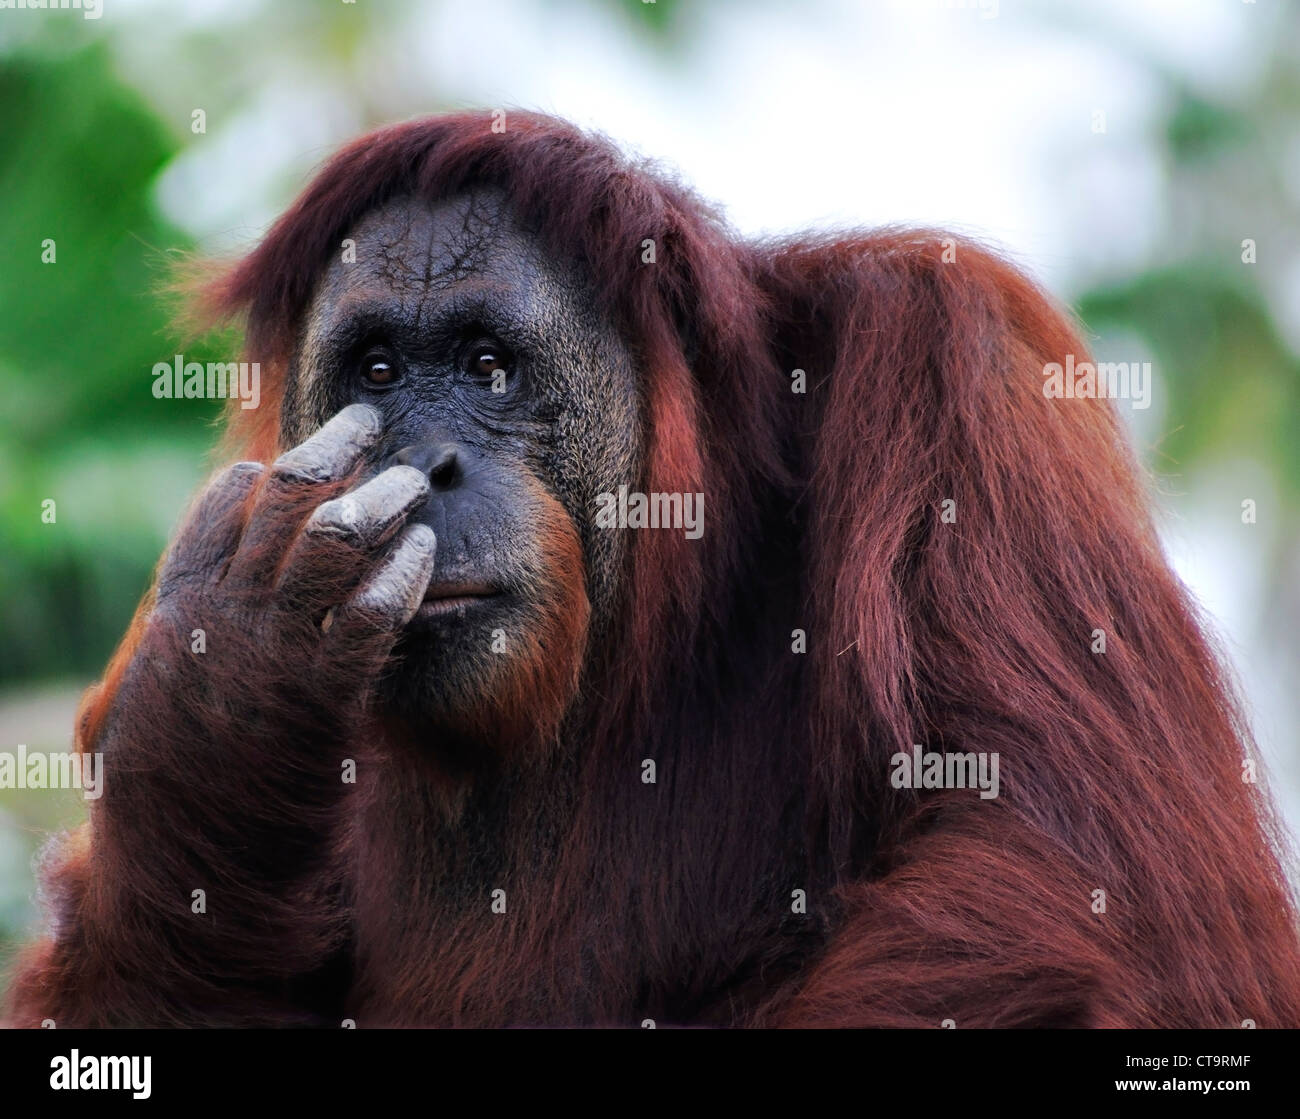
[1211, 316]
[1219, 307]
[79, 336]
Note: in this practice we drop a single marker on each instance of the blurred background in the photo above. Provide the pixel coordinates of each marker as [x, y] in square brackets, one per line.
[1142, 160]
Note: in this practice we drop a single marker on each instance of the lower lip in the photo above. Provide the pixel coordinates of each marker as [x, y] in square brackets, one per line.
[458, 604]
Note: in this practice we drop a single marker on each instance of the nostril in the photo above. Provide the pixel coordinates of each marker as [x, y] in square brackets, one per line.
[443, 469]
[441, 462]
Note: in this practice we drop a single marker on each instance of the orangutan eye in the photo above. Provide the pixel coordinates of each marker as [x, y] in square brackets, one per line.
[378, 368]
[488, 361]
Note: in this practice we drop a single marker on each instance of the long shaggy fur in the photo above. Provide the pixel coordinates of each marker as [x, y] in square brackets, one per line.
[1121, 772]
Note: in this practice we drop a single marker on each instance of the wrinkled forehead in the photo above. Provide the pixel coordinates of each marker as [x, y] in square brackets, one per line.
[415, 251]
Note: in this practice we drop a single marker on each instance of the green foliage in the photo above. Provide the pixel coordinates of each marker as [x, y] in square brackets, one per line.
[657, 16]
[78, 340]
[1232, 381]
[1233, 384]
[1199, 129]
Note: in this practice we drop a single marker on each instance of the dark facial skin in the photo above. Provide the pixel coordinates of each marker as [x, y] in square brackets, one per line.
[494, 377]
